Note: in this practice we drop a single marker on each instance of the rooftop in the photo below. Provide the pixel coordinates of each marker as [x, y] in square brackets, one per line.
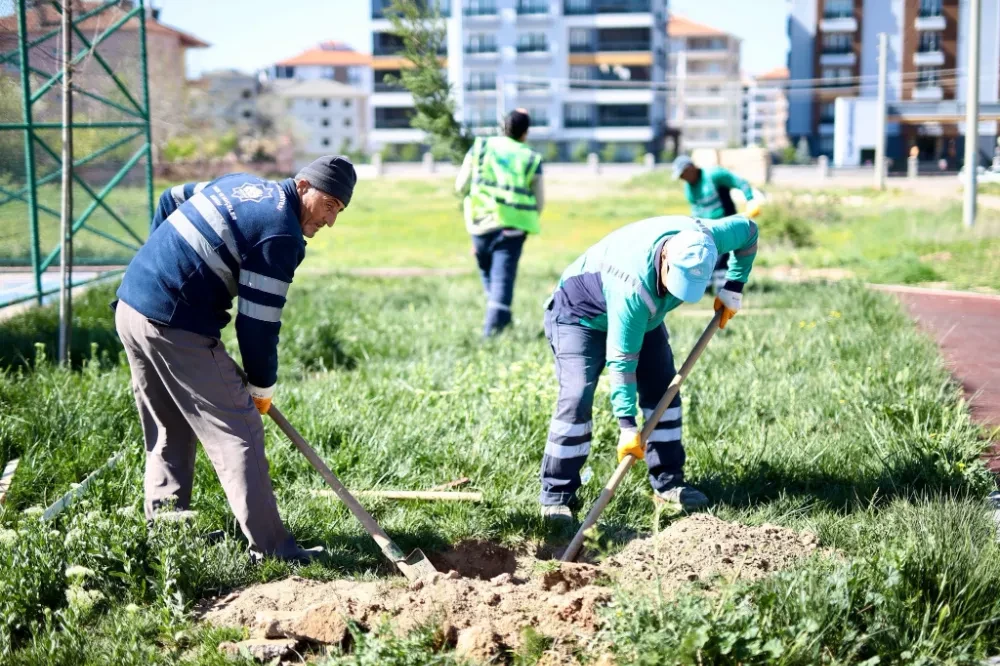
[329, 54]
[776, 74]
[682, 26]
[44, 18]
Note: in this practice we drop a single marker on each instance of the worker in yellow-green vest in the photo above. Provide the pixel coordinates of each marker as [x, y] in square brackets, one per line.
[501, 179]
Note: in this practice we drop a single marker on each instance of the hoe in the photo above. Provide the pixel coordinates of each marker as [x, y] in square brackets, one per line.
[626, 464]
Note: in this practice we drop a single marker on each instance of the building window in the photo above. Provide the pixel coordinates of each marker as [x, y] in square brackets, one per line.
[579, 72]
[837, 42]
[930, 8]
[837, 76]
[833, 9]
[347, 103]
[325, 122]
[324, 103]
[347, 122]
[825, 146]
[326, 143]
[579, 39]
[539, 116]
[578, 115]
[930, 40]
[282, 72]
[481, 43]
[706, 44]
[826, 112]
[247, 94]
[531, 42]
[247, 113]
[478, 80]
[928, 77]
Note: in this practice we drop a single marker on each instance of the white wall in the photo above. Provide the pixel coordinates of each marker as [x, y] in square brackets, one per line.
[989, 56]
[853, 129]
[309, 115]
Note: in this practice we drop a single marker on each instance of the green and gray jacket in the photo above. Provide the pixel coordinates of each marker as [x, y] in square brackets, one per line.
[615, 287]
[501, 178]
[709, 197]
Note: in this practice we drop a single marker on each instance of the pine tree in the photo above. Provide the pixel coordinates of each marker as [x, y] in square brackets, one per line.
[423, 35]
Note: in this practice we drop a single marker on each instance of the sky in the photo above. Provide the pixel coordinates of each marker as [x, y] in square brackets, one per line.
[252, 34]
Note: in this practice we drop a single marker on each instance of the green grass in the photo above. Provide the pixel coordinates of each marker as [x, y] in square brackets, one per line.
[831, 414]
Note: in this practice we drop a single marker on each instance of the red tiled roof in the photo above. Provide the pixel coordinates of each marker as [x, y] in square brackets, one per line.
[330, 54]
[776, 74]
[45, 18]
[682, 26]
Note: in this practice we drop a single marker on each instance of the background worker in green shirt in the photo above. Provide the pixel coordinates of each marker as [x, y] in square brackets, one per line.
[707, 190]
[502, 180]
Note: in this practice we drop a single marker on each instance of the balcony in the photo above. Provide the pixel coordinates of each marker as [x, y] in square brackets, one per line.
[533, 48]
[838, 19]
[583, 7]
[611, 120]
[934, 22]
[624, 45]
[397, 50]
[578, 123]
[928, 58]
[928, 92]
[474, 49]
[481, 86]
[837, 55]
[533, 8]
[384, 87]
[392, 123]
[482, 9]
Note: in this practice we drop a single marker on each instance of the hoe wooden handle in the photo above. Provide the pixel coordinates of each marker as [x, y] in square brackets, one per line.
[623, 467]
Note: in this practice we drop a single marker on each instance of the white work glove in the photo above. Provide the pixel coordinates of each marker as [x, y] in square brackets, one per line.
[261, 397]
[729, 302]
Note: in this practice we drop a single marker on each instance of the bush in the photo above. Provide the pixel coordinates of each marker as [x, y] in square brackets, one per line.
[779, 224]
[904, 269]
[409, 152]
[580, 152]
[609, 153]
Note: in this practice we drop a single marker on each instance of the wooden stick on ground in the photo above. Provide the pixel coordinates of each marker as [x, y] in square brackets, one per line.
[57, 507]
[426, 495]
[7, 478]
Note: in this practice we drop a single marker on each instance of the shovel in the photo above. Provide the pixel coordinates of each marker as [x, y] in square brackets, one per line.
[626, 464]
[415, 565]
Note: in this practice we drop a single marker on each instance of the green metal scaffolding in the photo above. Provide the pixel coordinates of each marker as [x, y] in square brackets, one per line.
[34, 84]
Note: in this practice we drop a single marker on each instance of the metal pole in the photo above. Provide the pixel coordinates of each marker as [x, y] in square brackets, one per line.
[880, 120]
[29, 144]
[972, 117]
[148, 110]
[66, 226]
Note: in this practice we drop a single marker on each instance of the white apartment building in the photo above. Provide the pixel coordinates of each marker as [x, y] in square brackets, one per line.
[706, 94]
[334, 61]
[223, 100]
[329, 117]
[765, 109]
[556, 59]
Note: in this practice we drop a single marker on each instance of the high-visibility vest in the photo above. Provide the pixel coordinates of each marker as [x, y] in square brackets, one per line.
[501, 195]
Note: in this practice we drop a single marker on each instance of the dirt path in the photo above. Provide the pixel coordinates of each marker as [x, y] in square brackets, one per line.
[966, 327]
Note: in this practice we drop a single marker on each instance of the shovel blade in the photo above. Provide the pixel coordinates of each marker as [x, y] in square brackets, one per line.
[416, 566]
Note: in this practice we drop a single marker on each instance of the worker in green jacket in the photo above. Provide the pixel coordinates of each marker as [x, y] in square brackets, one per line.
[608, 310]
[708, 191]
[501, 179]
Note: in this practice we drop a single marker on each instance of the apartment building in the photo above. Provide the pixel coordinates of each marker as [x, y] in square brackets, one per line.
[328, 117]
[582, 68]
[834, 56]
[765, 109]
[706, 95]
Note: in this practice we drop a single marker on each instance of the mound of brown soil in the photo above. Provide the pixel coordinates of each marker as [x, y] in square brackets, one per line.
[484, 617]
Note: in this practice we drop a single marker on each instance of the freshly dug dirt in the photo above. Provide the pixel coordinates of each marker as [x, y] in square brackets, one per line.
[484, 613]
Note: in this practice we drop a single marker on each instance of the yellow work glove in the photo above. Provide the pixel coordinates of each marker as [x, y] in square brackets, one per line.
[729, 302]
[261, 397]
[629, 443]
[753, 209]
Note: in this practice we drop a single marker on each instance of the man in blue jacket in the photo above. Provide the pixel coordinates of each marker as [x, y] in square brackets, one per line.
[237, 236]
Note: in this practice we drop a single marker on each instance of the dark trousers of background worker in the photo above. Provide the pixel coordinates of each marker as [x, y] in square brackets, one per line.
[579, 358]
[497, 253]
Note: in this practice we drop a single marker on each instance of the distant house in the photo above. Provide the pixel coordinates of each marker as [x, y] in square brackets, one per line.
[167, 48]
[333, 61]
[225, 100]
[329, 117]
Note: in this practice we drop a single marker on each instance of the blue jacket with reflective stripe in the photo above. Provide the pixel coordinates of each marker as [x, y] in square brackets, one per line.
[208, 242]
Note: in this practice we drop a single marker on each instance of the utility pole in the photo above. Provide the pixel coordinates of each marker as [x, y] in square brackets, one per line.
[880, 118]
[972, 117]
[66, 221]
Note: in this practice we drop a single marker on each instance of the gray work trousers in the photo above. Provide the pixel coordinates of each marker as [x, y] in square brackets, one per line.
[187, 389]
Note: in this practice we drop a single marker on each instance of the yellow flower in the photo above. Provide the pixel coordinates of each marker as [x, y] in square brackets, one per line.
[835, 314]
